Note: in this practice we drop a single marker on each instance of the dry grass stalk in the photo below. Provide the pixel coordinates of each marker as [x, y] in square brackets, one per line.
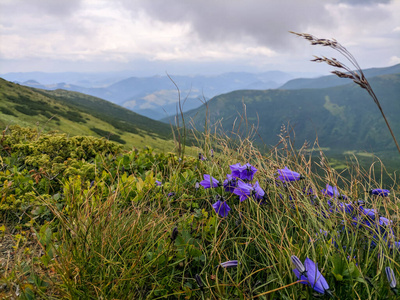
[356, 75]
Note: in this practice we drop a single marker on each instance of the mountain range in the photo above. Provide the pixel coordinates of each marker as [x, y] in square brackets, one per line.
[155, 97]
[341, 117]
[333, 80]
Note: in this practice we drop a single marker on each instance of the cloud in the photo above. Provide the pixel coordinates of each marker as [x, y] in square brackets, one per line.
[394, 60]
[265, 22]
[245, 32]
[41, 7]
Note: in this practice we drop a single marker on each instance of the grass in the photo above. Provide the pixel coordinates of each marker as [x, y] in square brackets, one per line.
[82, 218]
[109, 233]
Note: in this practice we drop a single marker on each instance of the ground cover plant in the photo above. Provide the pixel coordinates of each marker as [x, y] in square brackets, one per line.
[84, 219]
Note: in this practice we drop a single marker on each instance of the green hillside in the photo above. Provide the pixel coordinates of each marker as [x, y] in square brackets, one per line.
[333, 80]
[78, 114]
[343, 118]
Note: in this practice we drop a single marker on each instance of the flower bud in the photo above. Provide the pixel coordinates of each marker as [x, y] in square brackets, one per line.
[298, 264]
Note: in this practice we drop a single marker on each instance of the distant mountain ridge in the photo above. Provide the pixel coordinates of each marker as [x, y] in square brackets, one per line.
[156, 96]
[333, 80]
[342, 117]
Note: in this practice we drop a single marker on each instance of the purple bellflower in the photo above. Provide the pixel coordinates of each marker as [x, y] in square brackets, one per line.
[199, 281]
[370, 212]
[209, 182]
[309, 191]
[158, 183]
[286, 175]
[243, 190]
[236, 170]
[230, 183]
[299, 266]
[313, 277]
[247, 172]
[392, 279]
[346, 207]
[380, 192]
[229, 264]
[258, 192]
[221, 208]
[333, 192]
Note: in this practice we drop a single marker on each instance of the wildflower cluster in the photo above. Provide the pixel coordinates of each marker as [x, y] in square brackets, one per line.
[238, 182]
[240, 185]
[362, 217]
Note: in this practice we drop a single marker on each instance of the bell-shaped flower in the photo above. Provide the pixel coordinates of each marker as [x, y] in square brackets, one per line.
[314, 277]
[199, 281]
[309, 191]
[222, 208]
[286, 175]
[209, 182]
[229, 264]
[174, 234]
[202, 157]
[230, 183]
[301, 270]
[346, 207]
[247, 172]
[258, 192]
[236, 168]
[333, 192]
[317, 281]
[370, 212]
[243, 190]
[380, 192]
[390, 277]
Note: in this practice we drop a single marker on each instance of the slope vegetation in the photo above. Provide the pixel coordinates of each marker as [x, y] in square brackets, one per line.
[79, 114]
[343, 117]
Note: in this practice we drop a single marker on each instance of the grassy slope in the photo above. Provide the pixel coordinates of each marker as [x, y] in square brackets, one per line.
[344, 118]
[79, 114]
[103, 229]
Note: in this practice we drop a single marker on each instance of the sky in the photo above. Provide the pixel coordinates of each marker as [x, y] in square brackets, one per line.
[190, 37]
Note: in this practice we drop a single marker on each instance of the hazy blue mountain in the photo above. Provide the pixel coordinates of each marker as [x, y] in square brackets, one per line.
[333, 80]
[156, 96]
[343, 117]
[99, 79]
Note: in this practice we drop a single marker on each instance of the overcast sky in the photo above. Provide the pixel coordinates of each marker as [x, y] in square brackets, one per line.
[192, 36]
